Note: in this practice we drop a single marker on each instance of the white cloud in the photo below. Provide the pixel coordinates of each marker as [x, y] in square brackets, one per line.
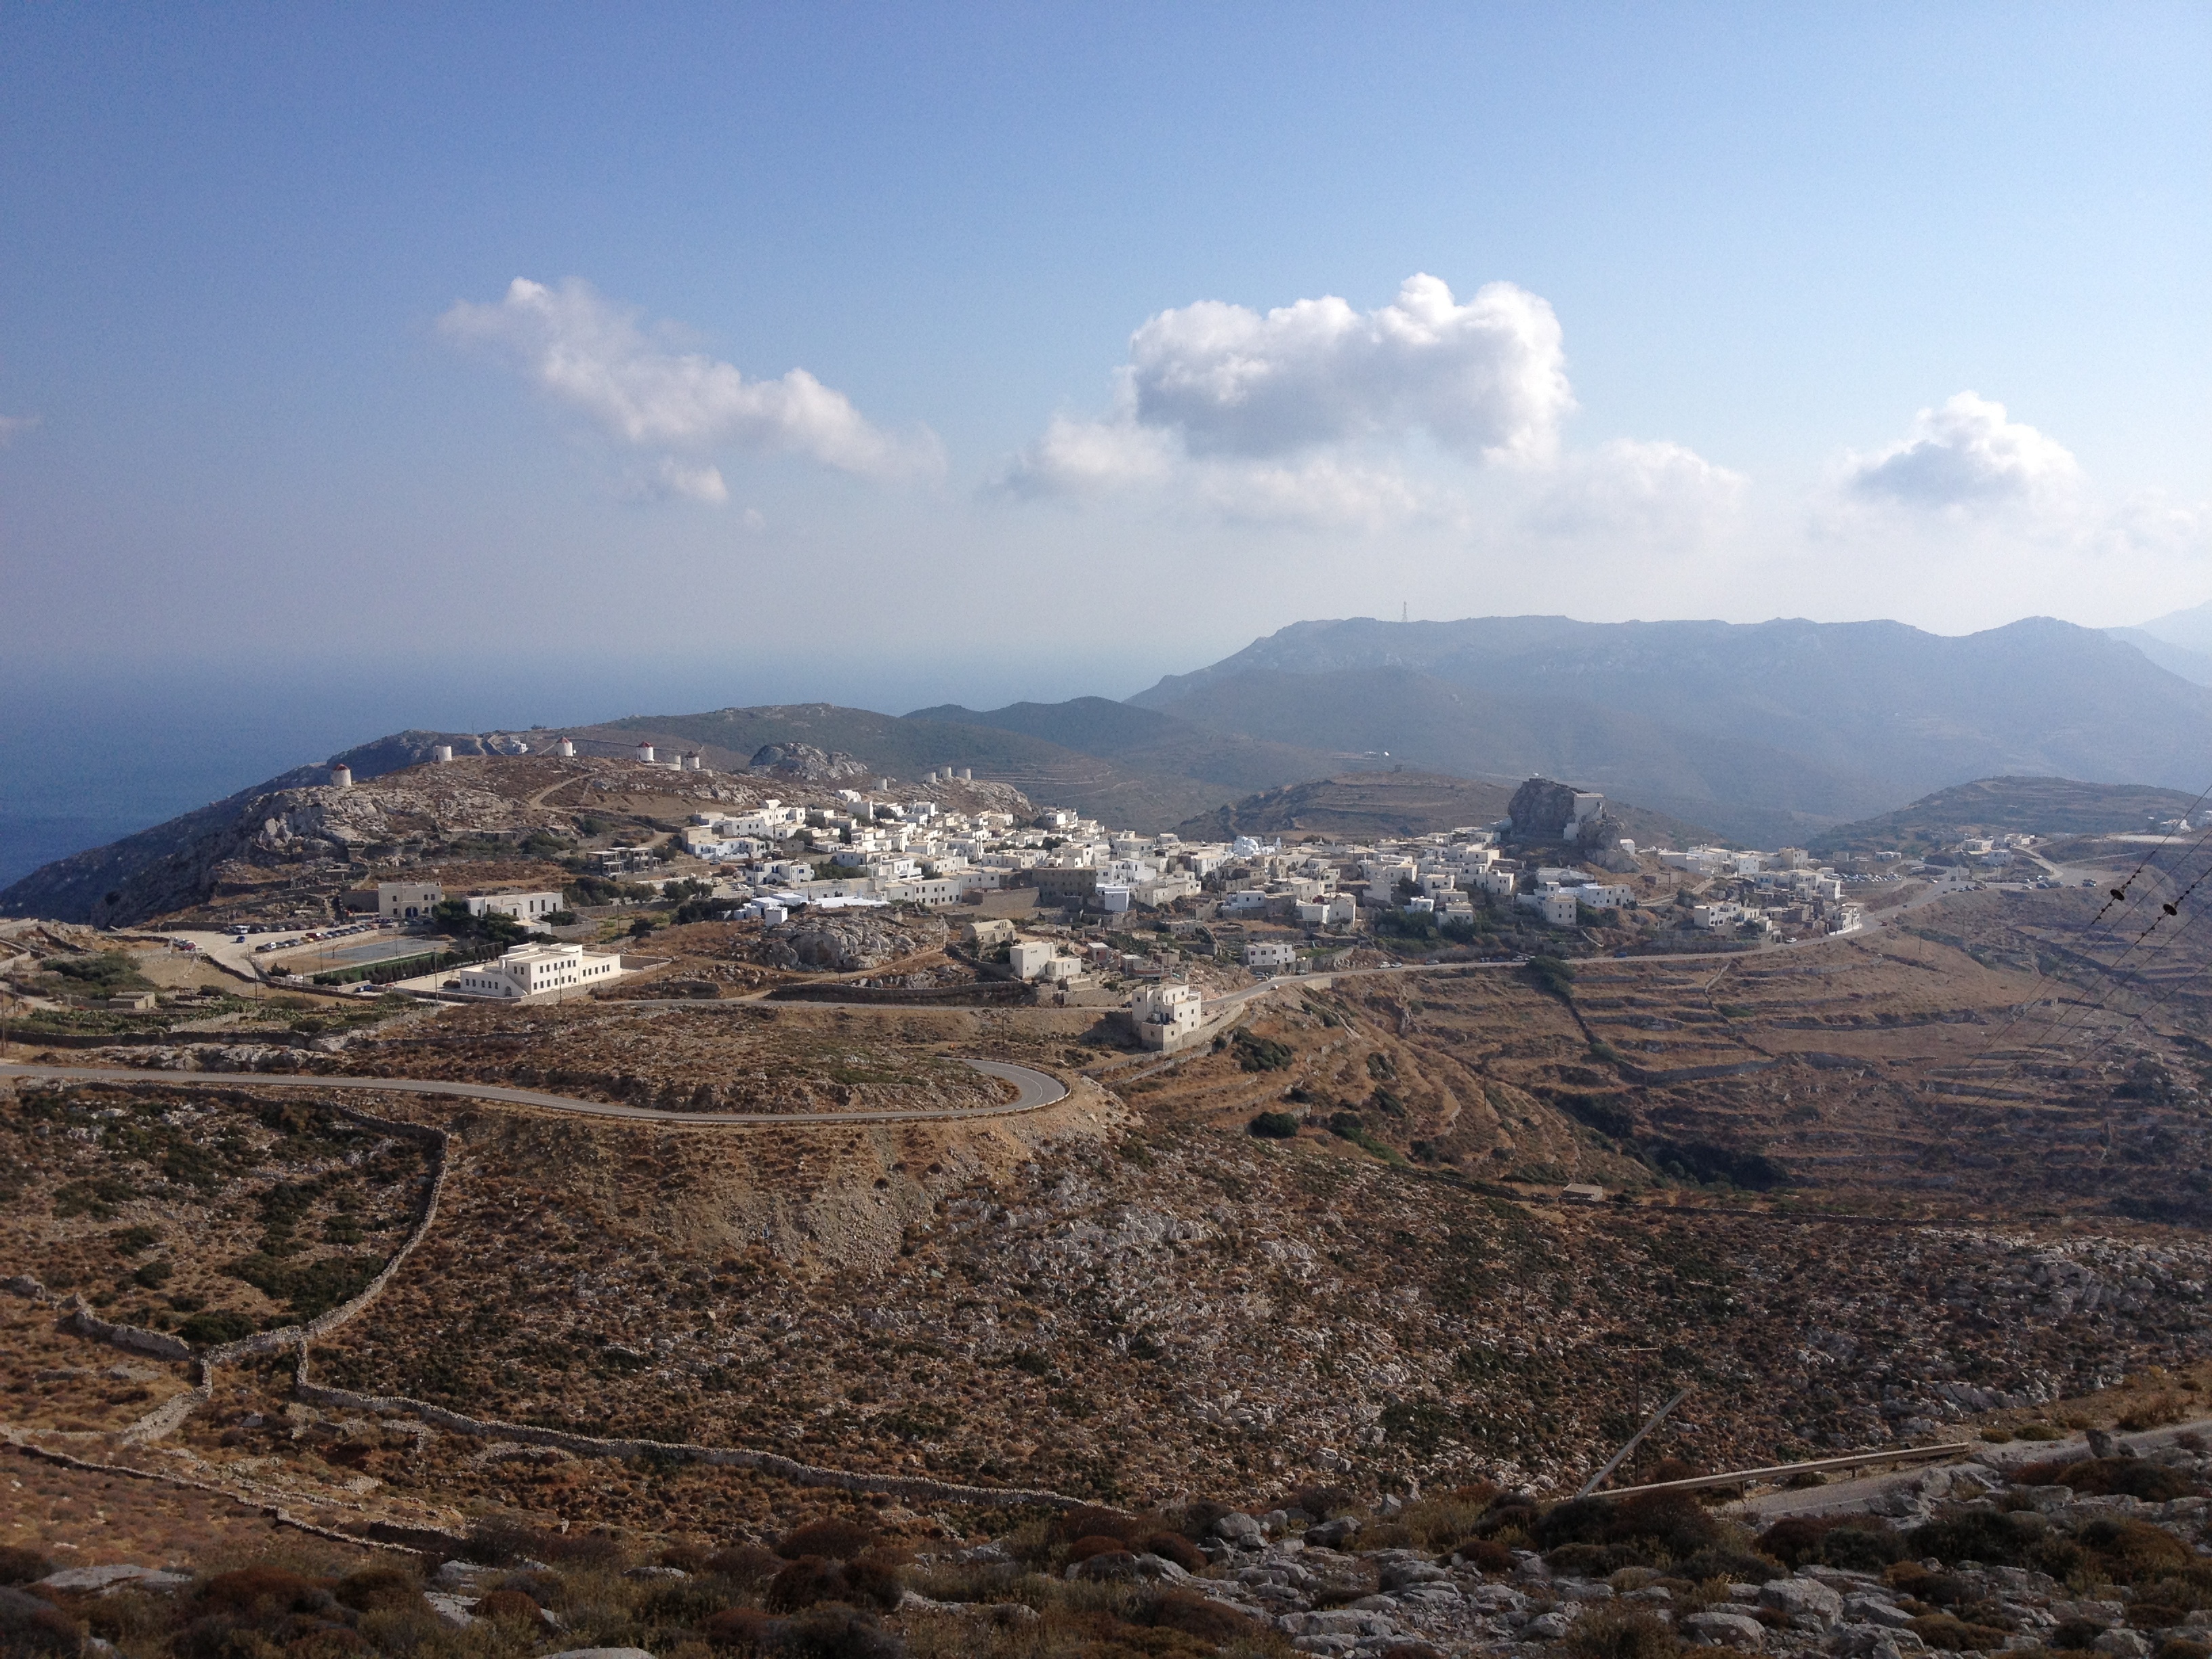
[13, 427]
[591, 355]
[669, 478]
[1487, 378]
[1966, 454]
[1652, 491]
[1093, 457]
[1425, 410]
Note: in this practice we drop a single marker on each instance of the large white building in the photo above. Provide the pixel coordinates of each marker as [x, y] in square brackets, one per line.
[1165, 1014]
[1270, 956]
[530, 970]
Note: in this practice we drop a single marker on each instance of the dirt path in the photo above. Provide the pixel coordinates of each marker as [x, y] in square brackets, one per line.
[1034, 1089]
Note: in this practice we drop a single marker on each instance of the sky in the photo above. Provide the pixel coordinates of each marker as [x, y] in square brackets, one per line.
[466, 366]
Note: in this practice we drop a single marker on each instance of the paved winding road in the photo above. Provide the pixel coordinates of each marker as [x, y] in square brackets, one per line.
[1035, 1088]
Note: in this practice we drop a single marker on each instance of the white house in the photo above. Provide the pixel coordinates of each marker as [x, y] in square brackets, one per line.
[1716, 916]
[1605, 895]
[407, 901]
[523, 906]
[530, 970]
[1031, 957]
[1269, 955]
[1556, 908]
[1165, 1014]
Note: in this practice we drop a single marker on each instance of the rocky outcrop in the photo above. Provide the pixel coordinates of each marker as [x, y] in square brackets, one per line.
[852, 942]
[804, 762]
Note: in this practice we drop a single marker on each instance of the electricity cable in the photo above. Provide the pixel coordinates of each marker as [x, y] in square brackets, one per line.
[2168, 909]
[2118, 895]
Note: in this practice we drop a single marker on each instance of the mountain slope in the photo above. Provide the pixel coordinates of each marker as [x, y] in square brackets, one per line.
[2193, 666]
[2040, 807]
[905, 747]
[1146, 739]
[1750, 792]
[1362, 805]
[1872, 706]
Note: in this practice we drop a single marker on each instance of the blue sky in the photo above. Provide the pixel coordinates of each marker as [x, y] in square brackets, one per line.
[1733, 311]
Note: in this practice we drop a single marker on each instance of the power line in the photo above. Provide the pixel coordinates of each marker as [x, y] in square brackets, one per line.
[2118, 895]
[2168, 908]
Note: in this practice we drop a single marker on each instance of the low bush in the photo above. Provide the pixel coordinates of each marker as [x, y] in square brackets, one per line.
[1093, 1520]
[1273, 1125]
[1484, 1555]
[1200, 1616]
[2110, 1477]
[2074, 1636]
[1098, 1544]
[1196, 1518]
[742, 1564]
[260, 1591]
[1862, 1544]
[835, 1536]
[501, 1605]
[1948, 1634]
[1659, 1527]
[1607, 1633]
[33, 1628]
[814, 1579]
[20, 1565]
[1994, 1538]
[2135, 1552]
[1173, 1547]
[376, 1587]
[743, 1630]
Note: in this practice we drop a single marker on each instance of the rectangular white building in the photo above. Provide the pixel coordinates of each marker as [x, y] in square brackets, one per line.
[1269, 955]
[532, 970]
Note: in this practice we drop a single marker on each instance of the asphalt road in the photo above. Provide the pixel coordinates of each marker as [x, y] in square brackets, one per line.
[1035, 1088]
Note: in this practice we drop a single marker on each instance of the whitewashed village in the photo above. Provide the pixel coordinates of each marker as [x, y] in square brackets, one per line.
[1167, 930]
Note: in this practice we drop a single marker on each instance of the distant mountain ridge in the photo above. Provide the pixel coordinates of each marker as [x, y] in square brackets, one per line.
[1767, 731]
[2039, 806]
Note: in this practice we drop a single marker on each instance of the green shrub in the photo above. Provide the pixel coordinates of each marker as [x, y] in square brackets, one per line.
[1995, 1538]
[1259, 1054]
[1273, 1125]
[218, 1325]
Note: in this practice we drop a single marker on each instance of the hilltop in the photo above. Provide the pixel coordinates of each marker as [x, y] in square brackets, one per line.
[1363, 805]
[2039, 806]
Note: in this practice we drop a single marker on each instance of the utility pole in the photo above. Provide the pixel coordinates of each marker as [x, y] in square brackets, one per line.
[1634, 1441]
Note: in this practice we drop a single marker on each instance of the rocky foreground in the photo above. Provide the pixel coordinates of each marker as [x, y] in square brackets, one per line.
[2093, 1550]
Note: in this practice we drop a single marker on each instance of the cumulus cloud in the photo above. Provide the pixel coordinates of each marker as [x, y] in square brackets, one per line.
[1965, 454]
[1487, 378]
[1312, 411]
[13, 427]
[1653, 491]
[591, 355]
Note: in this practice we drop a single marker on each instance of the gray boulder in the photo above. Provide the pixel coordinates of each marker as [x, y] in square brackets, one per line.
[1803, 1598]
[1727, 1630]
